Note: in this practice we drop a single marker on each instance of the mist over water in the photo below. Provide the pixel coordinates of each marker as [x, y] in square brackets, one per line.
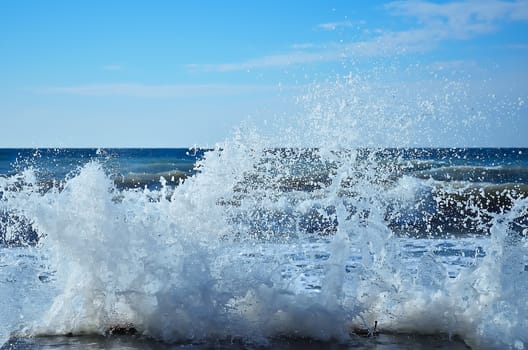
[312, 230]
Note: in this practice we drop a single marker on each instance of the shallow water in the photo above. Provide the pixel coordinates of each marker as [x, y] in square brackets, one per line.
[381, 342]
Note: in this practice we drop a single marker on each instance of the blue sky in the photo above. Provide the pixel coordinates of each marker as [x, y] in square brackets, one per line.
[125, 73]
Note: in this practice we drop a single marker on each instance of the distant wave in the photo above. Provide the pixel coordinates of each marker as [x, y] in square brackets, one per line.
[136, 180]
[476, 174]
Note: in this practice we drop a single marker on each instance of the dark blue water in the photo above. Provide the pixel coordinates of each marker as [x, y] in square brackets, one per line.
[504, 165]
[448, 182]
[57, 163]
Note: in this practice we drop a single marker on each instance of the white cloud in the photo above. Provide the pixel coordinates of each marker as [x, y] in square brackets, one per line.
[463, 11]
[394, 43]
[384, 44]
[279, 60]
[153, 91]
[458, 20]
[462, 19]
[334, 25]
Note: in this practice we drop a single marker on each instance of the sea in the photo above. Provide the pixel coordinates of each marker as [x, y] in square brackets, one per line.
[248, 246]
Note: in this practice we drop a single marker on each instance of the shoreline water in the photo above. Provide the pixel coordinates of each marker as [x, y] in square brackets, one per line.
[262, 244]
[129, 342]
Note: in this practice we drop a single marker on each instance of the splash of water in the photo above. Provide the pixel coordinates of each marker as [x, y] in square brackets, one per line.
[265, 242]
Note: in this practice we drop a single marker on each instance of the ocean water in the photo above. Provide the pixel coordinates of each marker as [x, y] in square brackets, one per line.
[333, 231]
[240, 247]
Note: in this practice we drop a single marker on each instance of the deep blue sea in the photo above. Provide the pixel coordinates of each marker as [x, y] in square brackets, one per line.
[244, 246]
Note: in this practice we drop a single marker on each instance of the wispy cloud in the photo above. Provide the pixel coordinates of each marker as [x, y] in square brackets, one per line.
[438, 22]
[113, 67]
[454, 65]
[463, 19]
[153, 91]
[335, 25]
[384, 44]
[517, 46]
[304, 46]
[463, 11]
[279, 60]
